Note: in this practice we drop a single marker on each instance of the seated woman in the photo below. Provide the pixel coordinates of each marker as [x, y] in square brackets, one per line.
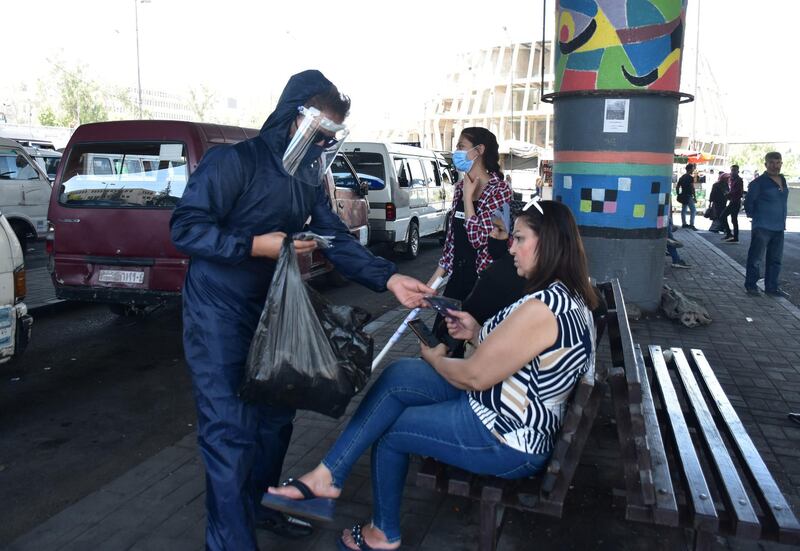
[497, 412]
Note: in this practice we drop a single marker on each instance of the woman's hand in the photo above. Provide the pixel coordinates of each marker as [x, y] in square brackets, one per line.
[408, 291]
[430, 355]
[462, 325]
[269, 245]
[470, 187]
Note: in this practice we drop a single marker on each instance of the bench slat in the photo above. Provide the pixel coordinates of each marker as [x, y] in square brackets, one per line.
[631, 374]
[705, 514]
[459, 482]
[428, 473]
[554, 488]
[744, 518]
[568, 429]
[665, 511]
[762, 481]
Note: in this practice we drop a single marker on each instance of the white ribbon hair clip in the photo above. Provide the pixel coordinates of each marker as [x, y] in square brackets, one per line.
[534, 202]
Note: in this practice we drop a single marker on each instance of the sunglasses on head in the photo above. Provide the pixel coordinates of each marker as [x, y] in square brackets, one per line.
[327, 141]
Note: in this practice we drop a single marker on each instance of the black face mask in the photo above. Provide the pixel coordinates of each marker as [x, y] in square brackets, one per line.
[498, 248]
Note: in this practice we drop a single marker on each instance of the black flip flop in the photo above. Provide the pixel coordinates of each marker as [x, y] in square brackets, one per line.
[310, 506]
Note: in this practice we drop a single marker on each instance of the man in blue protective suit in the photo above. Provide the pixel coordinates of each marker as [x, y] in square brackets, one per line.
[239, 204]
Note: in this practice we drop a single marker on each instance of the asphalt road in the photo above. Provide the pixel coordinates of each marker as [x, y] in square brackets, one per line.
[95, 394]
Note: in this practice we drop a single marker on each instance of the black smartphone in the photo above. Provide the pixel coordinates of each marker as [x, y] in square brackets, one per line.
[423, 333]
[443, 304]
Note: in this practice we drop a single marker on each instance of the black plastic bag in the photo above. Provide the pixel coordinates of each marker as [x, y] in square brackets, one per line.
[306, 352]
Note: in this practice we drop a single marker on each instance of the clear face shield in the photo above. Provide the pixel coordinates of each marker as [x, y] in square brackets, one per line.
[314, 146]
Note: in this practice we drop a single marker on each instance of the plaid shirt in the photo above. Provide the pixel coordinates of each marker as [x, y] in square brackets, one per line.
[478, 227]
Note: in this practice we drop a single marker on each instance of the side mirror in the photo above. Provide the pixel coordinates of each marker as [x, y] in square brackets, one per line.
[363, 188]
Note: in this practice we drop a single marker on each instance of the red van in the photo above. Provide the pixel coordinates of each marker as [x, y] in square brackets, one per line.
[113, 197]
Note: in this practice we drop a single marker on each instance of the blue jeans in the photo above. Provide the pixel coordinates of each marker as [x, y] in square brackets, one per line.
[772, 242]
[689, 205]
[413, 409]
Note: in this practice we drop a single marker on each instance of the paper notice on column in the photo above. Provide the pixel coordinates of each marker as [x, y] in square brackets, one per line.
[616, 115]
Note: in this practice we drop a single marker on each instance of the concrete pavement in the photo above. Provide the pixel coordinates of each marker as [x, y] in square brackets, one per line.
[752, 344]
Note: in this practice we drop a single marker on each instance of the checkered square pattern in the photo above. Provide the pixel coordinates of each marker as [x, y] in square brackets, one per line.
[599, 200]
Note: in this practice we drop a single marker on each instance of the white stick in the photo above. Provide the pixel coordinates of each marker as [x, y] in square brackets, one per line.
[403, 326]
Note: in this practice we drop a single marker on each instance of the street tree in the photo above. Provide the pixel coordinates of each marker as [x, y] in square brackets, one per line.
[752, 156]
[75, 98]
[200, 100]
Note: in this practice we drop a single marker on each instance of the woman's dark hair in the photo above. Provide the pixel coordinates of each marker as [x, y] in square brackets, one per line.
[332, 101]
[477, 135]
[560, 254]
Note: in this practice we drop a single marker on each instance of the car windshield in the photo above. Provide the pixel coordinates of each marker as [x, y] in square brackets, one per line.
[369, 167]
[49, 165]
[124, 175]
[14, 166]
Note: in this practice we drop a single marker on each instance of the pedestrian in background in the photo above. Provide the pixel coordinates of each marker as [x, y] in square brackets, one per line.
[766, 204]
[239, 205]
[687, 197]
[735, 192]
[717, 202]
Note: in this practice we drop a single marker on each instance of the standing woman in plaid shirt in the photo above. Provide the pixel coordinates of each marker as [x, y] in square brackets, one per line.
[482, 190]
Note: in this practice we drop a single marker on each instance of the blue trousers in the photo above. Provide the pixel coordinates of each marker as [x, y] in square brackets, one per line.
[762, 240]
[688, 206]
[413, 409]
[242, 445]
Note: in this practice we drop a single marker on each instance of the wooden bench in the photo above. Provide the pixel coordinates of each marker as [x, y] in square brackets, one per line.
[544, 493]
[688, 460]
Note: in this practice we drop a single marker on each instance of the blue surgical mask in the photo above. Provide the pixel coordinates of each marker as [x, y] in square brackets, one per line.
[461, 161]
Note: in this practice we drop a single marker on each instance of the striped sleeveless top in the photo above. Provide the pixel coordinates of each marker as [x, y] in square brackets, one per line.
[525, 411]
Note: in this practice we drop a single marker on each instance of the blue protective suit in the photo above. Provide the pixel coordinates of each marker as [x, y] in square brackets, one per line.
[235, 193]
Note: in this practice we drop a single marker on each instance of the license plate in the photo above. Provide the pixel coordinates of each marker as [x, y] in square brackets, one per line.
[121, 276]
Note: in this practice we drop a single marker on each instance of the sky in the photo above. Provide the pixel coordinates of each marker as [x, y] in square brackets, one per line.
[389, 57]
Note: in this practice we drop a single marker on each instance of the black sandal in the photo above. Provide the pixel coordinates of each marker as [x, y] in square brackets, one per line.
[358, 539]
[309, 506]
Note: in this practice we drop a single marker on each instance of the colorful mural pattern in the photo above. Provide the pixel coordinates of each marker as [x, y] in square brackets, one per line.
[636, 195]
[619, 44]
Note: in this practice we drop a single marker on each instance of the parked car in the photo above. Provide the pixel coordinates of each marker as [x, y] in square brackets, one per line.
[24, 192]
[15, 322]
[410, 191]
[47, 159]
[114, 195]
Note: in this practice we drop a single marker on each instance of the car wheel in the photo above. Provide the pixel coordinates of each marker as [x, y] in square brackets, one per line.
[412, 241]
[22, 235]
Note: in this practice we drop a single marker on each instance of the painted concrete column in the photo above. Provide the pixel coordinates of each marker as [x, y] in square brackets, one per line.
[616, 99]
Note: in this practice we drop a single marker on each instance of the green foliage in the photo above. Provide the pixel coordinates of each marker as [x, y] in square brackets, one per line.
[200, 100]
[47, 117]
[752, 156]
[81, 100]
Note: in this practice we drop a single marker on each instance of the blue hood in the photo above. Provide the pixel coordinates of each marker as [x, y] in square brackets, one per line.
[300, 88]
